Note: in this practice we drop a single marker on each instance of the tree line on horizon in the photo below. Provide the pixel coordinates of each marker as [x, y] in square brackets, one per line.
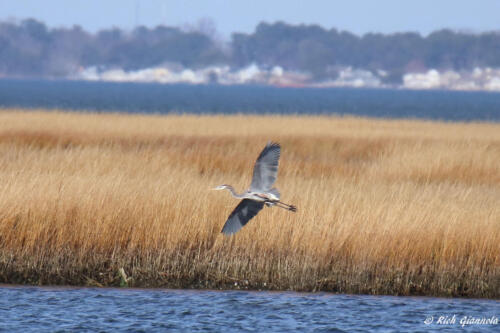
[30, 49]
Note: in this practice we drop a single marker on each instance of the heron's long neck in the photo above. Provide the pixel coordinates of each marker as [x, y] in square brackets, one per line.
[233, 192]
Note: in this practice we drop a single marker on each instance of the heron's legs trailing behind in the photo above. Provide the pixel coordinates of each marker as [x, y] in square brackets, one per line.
[280, 204]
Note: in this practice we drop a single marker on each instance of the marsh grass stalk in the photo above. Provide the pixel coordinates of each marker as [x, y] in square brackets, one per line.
[400, 207]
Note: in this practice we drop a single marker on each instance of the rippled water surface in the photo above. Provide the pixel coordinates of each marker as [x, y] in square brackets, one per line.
[165, 98]
[92, 309]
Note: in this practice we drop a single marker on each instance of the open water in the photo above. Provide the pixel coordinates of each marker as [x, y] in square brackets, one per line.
[207, 99]
[53, 309]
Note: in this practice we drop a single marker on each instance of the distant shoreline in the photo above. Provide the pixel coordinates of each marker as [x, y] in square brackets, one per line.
[275, 53]
[479, 79]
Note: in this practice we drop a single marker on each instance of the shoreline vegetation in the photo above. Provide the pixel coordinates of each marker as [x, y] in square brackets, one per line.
[397, 207]
[276, 54]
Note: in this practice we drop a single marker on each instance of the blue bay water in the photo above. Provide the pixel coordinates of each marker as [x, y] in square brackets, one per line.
[163, 98]
[50, 309]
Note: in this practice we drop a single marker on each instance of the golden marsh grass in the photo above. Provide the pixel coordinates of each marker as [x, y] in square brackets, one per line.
[400, 207]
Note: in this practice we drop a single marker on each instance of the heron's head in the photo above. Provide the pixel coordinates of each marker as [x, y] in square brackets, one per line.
[221, 187]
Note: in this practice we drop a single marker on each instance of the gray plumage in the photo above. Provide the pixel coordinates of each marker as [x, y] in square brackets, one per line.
[260, 192]
[265, 170]
[245, 210]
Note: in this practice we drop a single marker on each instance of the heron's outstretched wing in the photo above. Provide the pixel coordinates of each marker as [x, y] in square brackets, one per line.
[245, 210]
[265, 170]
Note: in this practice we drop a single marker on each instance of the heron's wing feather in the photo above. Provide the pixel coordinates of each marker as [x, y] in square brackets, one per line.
[245, 210]
[265, 170]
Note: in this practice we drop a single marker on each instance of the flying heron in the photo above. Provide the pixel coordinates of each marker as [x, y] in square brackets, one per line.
[260, 192]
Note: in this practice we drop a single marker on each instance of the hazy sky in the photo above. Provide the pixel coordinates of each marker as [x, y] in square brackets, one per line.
[355, 15]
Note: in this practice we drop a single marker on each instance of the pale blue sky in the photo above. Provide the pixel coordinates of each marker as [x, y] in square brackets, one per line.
[356, 16]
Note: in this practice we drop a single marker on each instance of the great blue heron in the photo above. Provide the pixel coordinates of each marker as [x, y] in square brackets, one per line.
[260, 192]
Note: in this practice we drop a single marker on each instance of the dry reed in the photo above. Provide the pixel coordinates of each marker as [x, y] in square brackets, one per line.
[399, 207]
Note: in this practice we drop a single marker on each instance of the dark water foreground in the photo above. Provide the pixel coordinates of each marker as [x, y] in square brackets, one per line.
[207, 99]
[134, 310]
